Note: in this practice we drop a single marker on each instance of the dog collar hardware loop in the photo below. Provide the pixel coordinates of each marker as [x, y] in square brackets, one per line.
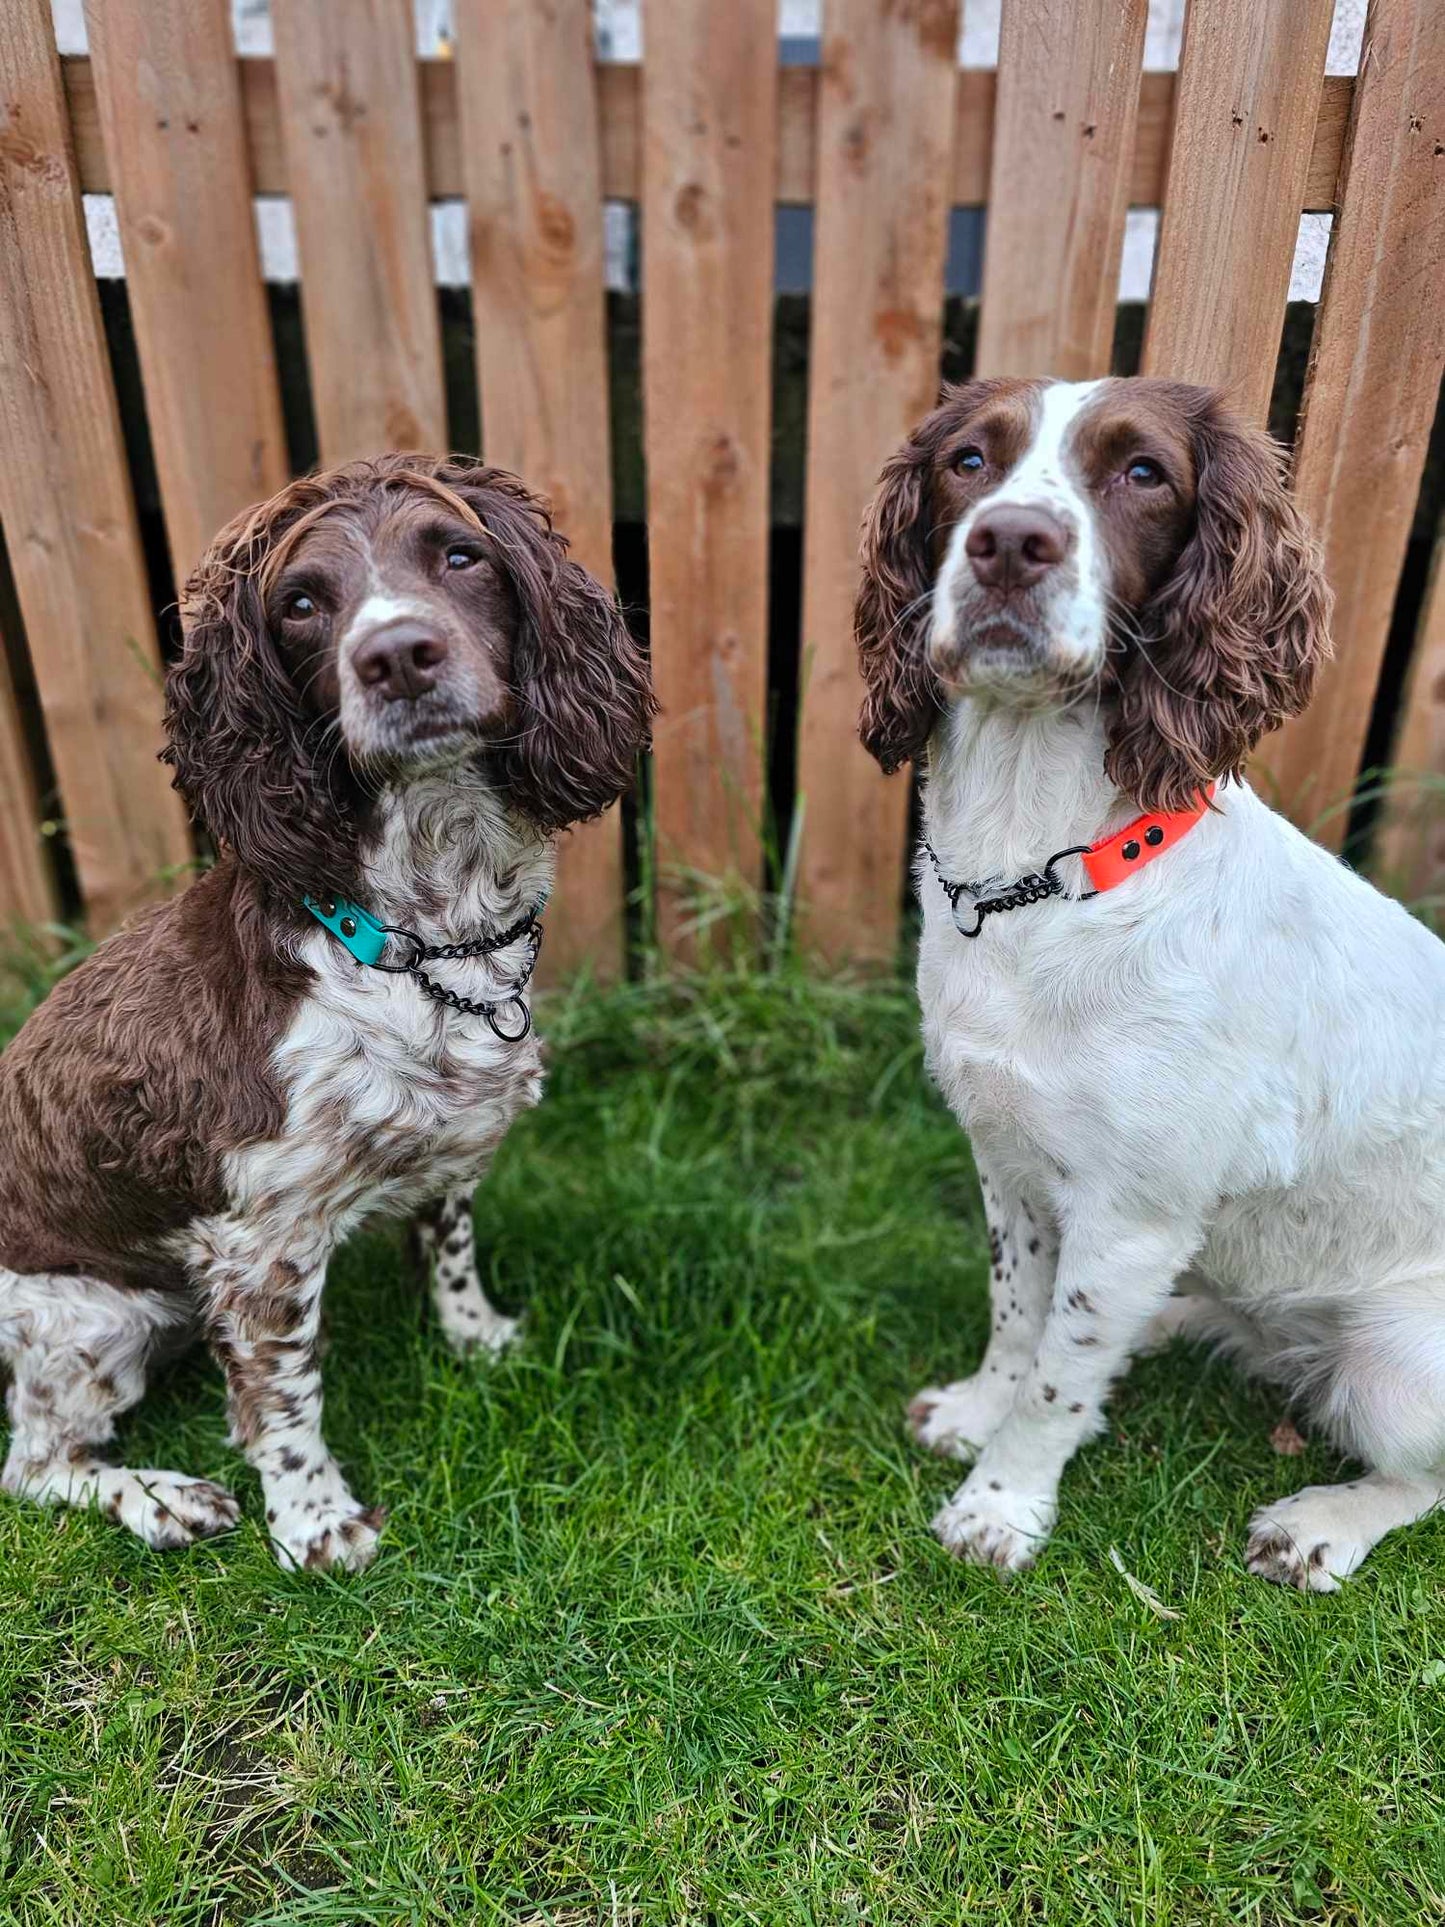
[1108, 862]
[368, 939]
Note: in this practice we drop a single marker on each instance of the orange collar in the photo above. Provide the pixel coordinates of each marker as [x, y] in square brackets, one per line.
[1116, 858]
[1110, 861]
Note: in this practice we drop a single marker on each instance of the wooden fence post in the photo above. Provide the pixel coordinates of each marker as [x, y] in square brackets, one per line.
[65, 500]
[27, 882]
[532, 154]
[346, 73]
[708, 171]
[1063, 148]
[170, 111]
[885, 140]
[1379, 352]
[1250, 80]
[1411, 840]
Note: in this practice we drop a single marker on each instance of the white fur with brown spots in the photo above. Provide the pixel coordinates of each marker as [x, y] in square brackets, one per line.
[394, 686]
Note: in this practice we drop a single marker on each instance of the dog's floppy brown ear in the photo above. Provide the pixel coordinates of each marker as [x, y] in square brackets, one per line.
[891, 617]
[1231, 644]
[583, 686]
[246, 756]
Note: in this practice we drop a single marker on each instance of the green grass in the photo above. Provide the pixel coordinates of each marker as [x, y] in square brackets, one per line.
[658, 1632]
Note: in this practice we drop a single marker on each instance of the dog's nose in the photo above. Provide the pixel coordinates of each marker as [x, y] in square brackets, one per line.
[400, 660]
[1012, 546]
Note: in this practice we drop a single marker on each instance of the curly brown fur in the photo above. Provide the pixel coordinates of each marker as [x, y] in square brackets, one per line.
[905, 531]
[583, 687]
[126, 1088]
[1237, 634]
[393, 684]
[1218, 609]
[253, 744]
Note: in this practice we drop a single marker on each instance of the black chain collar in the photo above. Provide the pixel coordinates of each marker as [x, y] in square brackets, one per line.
[528, 926]
[989, 899]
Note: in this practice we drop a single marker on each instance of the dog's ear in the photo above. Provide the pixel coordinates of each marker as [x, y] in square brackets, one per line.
[248, 759]
[1232, 642]
[890, 619]
[582, 686]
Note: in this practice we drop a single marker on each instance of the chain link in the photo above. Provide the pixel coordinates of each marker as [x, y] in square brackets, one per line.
[515, 1000]
[1033, 887]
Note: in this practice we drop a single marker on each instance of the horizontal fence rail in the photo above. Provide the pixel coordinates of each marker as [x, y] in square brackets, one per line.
[620, 115]
[757, 777]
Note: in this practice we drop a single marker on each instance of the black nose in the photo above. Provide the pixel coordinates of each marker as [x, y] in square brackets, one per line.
[1012, 547]
[400, 660]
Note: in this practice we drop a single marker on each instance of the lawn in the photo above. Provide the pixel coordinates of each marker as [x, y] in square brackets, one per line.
[658, 1632]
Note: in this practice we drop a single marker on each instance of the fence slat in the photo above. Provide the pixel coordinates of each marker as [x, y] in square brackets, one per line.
[885, 129]
[1068, 96]
[1250, 81]
[1411, 838]
[65, 499]
[346, 76]
[531, 147]
[170, 111]
[710, 127]
[1379, 351]
[27, 882]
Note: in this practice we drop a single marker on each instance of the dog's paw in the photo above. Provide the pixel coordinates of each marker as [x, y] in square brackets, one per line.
[340, 1537]
[959, 1420]
[1309, 1541]
[169, 1509]
[990, 1525]
[482, 1334]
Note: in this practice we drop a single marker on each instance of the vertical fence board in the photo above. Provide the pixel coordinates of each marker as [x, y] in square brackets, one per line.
[709, 139]
[350, 101]
[1379, 352]
[885, 139]
[170, 113]
[532, 156]
[1250, 80]
[1411, 841]
[65, 499]
[27, 883]
[1068, 98]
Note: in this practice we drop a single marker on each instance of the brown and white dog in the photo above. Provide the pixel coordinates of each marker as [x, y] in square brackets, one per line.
[1209, 1101]
[394, 688]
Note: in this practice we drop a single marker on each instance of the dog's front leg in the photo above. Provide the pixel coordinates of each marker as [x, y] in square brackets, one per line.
[959, 1419]
[1112, 1277]
[447, 1236]
[263, 1326]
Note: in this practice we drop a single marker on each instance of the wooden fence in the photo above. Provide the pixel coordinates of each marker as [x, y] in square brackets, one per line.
[708, 137]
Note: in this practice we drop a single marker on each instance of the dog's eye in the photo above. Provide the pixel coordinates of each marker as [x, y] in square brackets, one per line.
[968, 461]
[460, 558]
[298, 607]
[1144, 473]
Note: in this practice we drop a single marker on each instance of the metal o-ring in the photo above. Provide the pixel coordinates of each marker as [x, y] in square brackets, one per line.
[1154, 835]
[1130, 851]
[506, 1036]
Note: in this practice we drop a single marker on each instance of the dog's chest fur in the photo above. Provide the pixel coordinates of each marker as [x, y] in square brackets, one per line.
[390, 1097]
[1005, 1013]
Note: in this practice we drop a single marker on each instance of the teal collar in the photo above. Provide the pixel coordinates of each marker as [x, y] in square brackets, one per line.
[352, 926]
[360, 933]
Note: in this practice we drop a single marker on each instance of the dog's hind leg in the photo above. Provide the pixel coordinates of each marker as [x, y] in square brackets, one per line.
[1382, 1399]
[77, 1350]
[1317, 1538]
[447, 1237]
[1196, 1315]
